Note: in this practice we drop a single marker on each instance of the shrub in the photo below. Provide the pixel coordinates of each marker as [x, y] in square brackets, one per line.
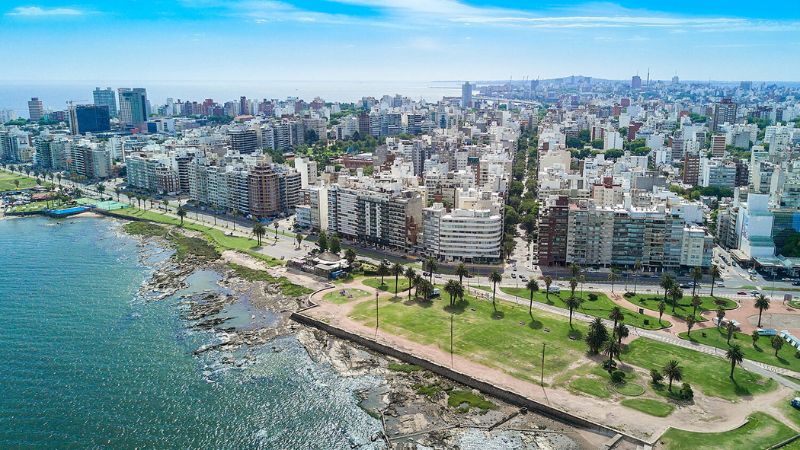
[628, 294]
[797, 354]
[617, 376]
[647, 321]
[656, 376]
[609, 365]
[686, 392]
[592, 297]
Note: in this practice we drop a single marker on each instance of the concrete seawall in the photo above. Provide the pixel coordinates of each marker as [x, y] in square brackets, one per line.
[482, 386]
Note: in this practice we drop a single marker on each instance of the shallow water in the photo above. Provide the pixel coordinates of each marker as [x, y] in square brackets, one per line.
[88, 363]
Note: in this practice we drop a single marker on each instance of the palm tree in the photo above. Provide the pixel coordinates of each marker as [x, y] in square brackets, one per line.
[714, 272]
[275, 224]
[661, 307]
[697, 275]
[531, 286]
[299, 238]
[676, 293]
[690, 321]
[762, 303]
[729, 329]
[616, 316]
[16, 183]
[397, 270]
[735, 356]
[548, 280]
[596, 336]
[777, 344]
[383, 270]
[165, 202]
[495, 278]
[417, 283]
[575, 270]
[259, 231]
[666, 283]
[613, 277]
[611, 349]
[637, 267]
[696, 302]
[410, 275]
[572, 303]
[451, 287]
[461, 271]
[673, 371]
[573, 284]
[181, 214]
[431, 266]
[117, 191]
[350, 256]
[720, 316]
[754, 336]
[59, 176]
[622, 333]
[234, 213]
[101, 188]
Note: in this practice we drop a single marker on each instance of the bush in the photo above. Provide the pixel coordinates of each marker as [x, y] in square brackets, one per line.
[797, 354]
[686, 392]
[628, 294]
[609, 365]
[592, 297]
[617, 376]
[646, 321]
[656, 376]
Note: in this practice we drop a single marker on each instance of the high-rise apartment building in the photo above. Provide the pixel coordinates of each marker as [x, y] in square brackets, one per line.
[243, 140]
[691, 168]
[636, 82]
[264, 187]
[35, 109]
[133, 107]
[106, 97]
[466, 95]
[88, 119]
[724, 112]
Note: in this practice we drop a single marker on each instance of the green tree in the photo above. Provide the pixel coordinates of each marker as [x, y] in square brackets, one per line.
[181, 213]
[334, 245]
[454, 289]
[673, 371]
[383, 270]
[697, 275]
[667, 281]
[299, 238]
[597, 335]
[495, 278]
[532, 286]
[754, 336]
[696, 302]
[714, 272]
[762, 303]
[615, 315]
[661, 307]
[777, 344]
[410, 275]
[735, 356]
[461, 272]
[322, 241]
[637, 267]
[430, 267]
[720, 316]
[350, 256]
[730, 328]
[548, 280]
[690, 321]
[572, 303]
[676, 293]
[259, 231]
[613, 277]
[611, 349]
[397, 270]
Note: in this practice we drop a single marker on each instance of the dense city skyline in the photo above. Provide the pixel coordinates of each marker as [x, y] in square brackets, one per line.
[422, 41]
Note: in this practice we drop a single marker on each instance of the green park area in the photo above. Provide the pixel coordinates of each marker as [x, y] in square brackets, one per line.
[594, 304]
[762, 350]
[221, 240]
[288, 288]
[8, 181]
[388, 283]
[39, 206]
[760, 431]
[344, 295]
[683, 308]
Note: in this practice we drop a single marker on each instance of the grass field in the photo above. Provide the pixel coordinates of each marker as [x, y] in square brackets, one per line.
[597, 387]
[288, 288]
[39, 206]
[760, 431]
[350, 294]
[218, 237]
[649, 406]
[7, 181]
[597, 308]
[509, 340]
[683, 308]
[388, 283]
[704, 372]
[761, 352]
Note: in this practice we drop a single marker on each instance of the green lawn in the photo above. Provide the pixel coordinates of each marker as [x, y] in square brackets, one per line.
[344, 295]
[704, 372]
[683, 308]
[388, 283]
[218, 237]
[597, 387]
[510, 340]
[760, 431]
[7, 181]
[466, 399]
[40, 206]
[629, 389]
[649, 406]
[762, 352]
[597, 308]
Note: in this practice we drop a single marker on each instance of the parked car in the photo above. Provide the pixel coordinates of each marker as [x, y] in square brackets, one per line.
[554, 290]
[741, 293]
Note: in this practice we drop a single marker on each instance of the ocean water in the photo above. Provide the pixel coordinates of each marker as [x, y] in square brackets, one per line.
[86, 363]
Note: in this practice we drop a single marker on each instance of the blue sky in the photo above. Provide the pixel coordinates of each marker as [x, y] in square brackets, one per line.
[207, 40]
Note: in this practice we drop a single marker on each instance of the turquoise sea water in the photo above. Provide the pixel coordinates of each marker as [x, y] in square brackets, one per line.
[85, 363]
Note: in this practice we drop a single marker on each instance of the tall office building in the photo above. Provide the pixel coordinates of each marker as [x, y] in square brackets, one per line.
[88, 119]
[106, 97]
[133, 107]
[466, 95]
[35, 109]
[636, 82]
[243, 140]
[724, 112]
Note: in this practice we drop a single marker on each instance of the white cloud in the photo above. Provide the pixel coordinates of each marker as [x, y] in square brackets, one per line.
[36, 11]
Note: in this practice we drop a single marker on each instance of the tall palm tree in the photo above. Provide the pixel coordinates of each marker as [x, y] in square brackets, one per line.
[461, 272]
[275, 224]
[613, 277]
[572, 303]
[762, 303]
[611, 349]
[596, 336]
[667, 280]
[431, 266]
[714, 272]
[531, 286]
[548, 280]
[575, 270]
[101, 188]
[234, 213]
[117, 191]
[451, 287]
[696, 302]
[777, 344]
[673, 371]
[410, 275]
[720, 316]
[181, 214]
[676, 293]
[697, 275]
[622, 333]
[637, 267]
[397, 270]
[383, 270]
[573, 284]
[495, 278]
[259, 231]
[661, 307]
[690, 321]
[615, 315]
[735, 355]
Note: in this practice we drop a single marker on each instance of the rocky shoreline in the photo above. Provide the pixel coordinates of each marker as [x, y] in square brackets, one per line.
[412, 404]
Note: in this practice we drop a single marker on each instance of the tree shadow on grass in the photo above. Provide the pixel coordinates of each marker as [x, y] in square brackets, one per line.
[740, 390]
[498, 315]
[535, 324]
[458, 308]
[575, 335]
[397, 299]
